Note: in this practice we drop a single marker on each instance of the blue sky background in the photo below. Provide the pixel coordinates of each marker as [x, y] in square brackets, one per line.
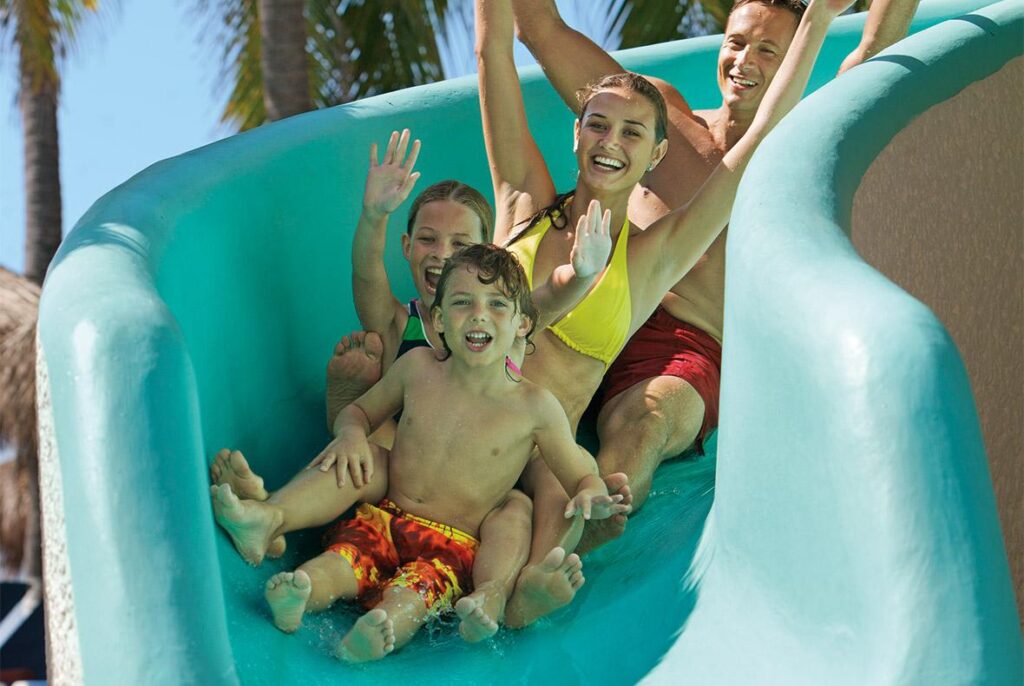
[141, 87]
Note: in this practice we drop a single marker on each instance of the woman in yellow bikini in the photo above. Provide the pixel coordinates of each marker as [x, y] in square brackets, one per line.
[619, 136]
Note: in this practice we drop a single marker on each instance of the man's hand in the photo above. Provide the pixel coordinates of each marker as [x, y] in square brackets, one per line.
[389, 183]
[347, 454]
[593, 241]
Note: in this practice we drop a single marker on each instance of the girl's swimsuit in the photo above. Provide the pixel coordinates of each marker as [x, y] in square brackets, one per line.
[413, 336]
[598, 325]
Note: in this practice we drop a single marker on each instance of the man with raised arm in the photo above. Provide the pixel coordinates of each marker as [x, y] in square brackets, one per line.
[660, 397]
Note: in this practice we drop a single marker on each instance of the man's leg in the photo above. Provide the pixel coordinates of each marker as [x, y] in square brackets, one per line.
[639, 429]
[504, 549]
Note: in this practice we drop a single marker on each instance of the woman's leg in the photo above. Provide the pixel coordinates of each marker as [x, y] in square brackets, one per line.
[504, 549]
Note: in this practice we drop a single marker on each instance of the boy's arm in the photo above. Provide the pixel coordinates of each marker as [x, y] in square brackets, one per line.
[388, 184]
[571, 465]
[518, 171]
[568, 283]
[349, 452]
[673, 244]
[888, 21]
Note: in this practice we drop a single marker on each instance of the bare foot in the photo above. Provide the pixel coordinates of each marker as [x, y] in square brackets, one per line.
[287, 593]
[353, 369]
[231, 467]
[598, 532]
[250, 523]
[545, 587]
[480, 613]
[371, 638]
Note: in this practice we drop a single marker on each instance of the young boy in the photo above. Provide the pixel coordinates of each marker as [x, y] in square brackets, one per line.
[467, 431]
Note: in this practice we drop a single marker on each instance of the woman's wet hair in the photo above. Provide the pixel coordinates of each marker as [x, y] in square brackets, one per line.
[492, 264]
[459, 192]
[794, 6]
[630, 81]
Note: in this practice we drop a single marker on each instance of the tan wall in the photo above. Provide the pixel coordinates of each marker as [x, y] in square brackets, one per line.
[941, 213]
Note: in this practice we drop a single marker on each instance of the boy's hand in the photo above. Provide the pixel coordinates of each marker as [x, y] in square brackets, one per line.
[389, 183]
[347, 454]
[593, 504]
[593, 241]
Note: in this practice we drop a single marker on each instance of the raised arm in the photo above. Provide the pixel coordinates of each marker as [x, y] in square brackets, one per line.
[388, 184]
[571, 465]
[522, 183]
[888, 21]
[674, 243]
[569, 59]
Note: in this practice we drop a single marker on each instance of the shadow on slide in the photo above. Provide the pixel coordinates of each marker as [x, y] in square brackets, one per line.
[853, 536]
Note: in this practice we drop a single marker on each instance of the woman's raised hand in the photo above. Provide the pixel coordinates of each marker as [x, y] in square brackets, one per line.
[389, 183]
[593, 241]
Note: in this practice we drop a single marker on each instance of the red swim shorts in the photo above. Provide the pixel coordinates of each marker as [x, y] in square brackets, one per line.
[388, 547]
[666, 346]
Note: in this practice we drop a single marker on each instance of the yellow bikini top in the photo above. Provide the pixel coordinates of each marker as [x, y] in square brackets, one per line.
[598, 325]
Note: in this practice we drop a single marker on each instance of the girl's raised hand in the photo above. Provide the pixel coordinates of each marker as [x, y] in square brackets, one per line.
[593, 241]
[389, 183]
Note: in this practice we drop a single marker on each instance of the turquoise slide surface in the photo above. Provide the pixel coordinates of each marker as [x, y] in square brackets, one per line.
[842, 529]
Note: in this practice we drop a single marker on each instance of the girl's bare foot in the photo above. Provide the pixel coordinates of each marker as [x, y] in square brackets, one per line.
[231, 467]
[355, 367]
[371, 638]
[545, 587]
[250, 523]
[287, 593]
[480, 613]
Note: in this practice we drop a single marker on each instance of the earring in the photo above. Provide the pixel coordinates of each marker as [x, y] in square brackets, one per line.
[650, 167]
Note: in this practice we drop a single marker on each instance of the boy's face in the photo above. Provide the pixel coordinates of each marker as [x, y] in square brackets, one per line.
[756, 39]
[441, 228]
[480, 323]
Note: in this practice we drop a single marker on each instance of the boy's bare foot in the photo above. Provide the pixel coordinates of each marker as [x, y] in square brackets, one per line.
[543, 588]
[353, 369]
[480, 612]
[231, 467]
[287, 593]
[371, 638]
[250, 523]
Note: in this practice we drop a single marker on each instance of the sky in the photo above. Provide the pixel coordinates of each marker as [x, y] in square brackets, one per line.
[142, 86]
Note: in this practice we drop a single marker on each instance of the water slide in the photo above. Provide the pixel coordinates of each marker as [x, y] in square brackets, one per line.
[842, 529]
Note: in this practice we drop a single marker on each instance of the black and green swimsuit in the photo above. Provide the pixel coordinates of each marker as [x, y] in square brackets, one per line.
[413, 336]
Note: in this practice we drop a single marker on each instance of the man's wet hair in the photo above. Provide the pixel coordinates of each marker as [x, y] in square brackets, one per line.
[632, 82]
[794, 6]
[492, 264]
[456, 191]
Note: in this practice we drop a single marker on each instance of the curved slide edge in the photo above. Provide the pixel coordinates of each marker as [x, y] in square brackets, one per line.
[854, 536]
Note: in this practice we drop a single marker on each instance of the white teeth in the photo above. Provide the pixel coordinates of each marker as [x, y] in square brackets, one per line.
[744, 82]
[479, 336]
[609, 162]
[436, 271]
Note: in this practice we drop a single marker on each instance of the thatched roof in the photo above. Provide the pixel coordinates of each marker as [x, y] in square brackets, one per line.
[19, 310]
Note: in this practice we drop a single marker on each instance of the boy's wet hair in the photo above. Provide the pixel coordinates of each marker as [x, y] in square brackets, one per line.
[794, 6]
[632, 82]
[492, 264]
[456, 191]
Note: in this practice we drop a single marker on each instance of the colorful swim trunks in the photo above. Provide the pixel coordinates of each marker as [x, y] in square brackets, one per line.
[666, 346]
[388, 547]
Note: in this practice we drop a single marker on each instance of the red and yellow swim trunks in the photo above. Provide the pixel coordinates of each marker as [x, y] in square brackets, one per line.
[388, 547]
